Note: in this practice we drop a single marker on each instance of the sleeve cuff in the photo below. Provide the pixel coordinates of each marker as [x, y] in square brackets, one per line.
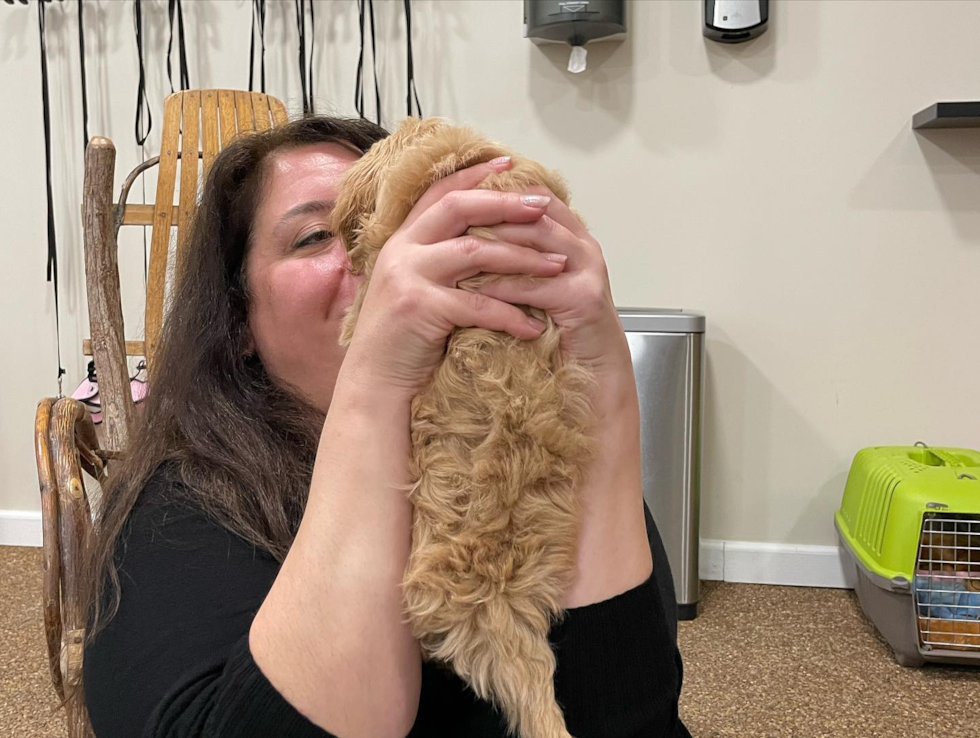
[617, 665]
[259, 709]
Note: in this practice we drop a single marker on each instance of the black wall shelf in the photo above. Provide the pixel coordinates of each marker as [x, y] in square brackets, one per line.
[948, 115]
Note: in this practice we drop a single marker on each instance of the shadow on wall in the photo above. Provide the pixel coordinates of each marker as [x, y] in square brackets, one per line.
[742, 63]
[787, 484]
[433, 25]
[896, 181]
[584, 110]
[20, 33]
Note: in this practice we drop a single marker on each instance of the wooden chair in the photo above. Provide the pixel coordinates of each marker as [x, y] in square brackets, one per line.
[197, 124]
[202, 121]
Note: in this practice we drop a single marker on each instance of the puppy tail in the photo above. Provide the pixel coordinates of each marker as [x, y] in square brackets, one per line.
[517, 673]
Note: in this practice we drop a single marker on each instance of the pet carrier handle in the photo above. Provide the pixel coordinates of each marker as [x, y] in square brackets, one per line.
[947, 458]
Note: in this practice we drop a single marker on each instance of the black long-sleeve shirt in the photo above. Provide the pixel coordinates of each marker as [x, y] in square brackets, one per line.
[174, 662]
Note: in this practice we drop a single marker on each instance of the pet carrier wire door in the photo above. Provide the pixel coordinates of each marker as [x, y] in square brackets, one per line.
[947, 583]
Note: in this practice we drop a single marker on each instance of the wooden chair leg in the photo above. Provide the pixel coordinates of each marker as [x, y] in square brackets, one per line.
[68, 423]
[50, 541]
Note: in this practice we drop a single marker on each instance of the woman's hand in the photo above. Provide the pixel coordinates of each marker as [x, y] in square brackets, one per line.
[412, 303]
[579, 299]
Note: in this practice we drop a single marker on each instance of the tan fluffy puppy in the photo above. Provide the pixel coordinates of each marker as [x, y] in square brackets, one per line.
[500, 442]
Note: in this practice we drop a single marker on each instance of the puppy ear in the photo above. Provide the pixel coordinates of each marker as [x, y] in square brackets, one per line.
[360, 187]
[358, 197]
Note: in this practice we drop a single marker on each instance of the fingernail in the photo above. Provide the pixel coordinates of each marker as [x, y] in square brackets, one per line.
[536, 201]
[500, 162]
[551, 256]
[535, 324]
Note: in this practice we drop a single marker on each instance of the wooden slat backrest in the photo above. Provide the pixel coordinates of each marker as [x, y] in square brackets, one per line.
[197, 124]
[163, 213]
[190, 148]
[243, 112]
[210, 138]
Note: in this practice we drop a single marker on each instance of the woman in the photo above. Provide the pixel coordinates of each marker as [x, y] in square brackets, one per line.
[246, 576]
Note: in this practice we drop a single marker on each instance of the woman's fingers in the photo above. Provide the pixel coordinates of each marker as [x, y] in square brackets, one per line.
[540, 292]
[473, 310]
[546, 234]
[462, 209]
[561, 213]
[452, 261]
[464, 179]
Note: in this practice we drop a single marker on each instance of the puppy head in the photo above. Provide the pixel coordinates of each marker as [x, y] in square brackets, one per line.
[380, 190]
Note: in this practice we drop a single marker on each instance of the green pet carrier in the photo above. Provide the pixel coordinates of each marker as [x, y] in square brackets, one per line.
[909, 524]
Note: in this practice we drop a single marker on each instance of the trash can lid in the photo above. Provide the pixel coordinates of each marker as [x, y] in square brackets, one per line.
[661, 320]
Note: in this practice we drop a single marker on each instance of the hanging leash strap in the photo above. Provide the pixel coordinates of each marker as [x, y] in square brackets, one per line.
[81, 66]
[52, 269]
[374, 64]
[358, 81]
[185, 82]
[410, 62]
[312, 43]
[301, 31]
[258, 21]
[305, 65]
[143, 112]
[366, 12]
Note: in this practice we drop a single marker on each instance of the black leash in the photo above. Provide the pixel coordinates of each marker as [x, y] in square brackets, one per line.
[367, 5]
[410, 63]
[358, 87]
[52, 270]
[301, 30]
[185, 81]
[142, 105]
[312, 43]
[258, 21]
[305, 66]
[81, 53]
[374, 64]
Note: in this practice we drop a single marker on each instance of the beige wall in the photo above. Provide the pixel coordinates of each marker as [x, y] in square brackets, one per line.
[775, 185]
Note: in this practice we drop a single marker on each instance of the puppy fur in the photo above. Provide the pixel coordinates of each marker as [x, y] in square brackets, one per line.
[501, 439]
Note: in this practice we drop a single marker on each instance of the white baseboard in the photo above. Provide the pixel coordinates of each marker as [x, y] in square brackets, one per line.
[711, 561]
[722, 561]
[773, 563]
[20, 528]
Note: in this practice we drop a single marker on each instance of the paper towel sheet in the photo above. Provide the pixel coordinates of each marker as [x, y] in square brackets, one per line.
[576, 62]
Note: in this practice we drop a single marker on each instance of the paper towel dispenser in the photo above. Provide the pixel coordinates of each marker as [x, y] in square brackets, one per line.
[574, 22]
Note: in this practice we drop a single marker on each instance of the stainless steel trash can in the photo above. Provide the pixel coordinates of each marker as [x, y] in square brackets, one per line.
[667, 349]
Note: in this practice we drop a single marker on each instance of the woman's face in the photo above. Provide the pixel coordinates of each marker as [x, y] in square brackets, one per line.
[297, 271]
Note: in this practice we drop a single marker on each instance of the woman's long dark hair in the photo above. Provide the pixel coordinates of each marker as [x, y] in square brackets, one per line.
[240, 447]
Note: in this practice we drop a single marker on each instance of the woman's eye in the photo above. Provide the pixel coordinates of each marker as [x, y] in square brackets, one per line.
[315, 237]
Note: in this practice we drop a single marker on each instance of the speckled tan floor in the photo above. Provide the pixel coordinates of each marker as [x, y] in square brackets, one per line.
[760, 661]
[793, 662]
[27, 699]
